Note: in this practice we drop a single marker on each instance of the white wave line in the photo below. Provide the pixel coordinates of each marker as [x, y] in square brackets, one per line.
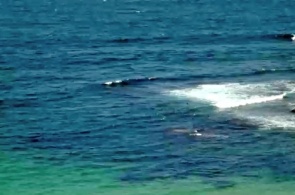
[255, 100]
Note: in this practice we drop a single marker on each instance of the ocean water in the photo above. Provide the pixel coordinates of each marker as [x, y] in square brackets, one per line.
[147, 97]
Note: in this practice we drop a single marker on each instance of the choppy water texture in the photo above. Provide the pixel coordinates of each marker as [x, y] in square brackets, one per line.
[147, 97]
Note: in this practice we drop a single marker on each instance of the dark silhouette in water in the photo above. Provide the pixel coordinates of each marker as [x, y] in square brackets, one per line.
[290, 37]
[293, 110]
[116, 83]
[198, 133]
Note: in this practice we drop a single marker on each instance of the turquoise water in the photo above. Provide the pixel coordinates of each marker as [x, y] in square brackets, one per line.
[146, 97]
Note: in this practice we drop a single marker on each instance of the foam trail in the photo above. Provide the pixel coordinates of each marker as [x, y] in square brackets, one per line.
[253, 100]
[233, 94]
[267, 120]
[224, 102]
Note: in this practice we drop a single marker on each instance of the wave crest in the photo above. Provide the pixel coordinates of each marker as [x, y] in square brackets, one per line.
[128, 81]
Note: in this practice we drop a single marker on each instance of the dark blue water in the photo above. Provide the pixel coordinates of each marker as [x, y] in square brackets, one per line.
[105, 83]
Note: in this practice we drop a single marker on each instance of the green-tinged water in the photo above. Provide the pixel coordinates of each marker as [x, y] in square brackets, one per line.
[19, 176]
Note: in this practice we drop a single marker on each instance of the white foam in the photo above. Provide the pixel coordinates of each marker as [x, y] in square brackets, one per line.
[108, 83]
[268, 120]
[230, 95]
[113, 82]
[236, 95]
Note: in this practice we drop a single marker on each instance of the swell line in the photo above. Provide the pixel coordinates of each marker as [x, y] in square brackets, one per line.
[135, 81]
